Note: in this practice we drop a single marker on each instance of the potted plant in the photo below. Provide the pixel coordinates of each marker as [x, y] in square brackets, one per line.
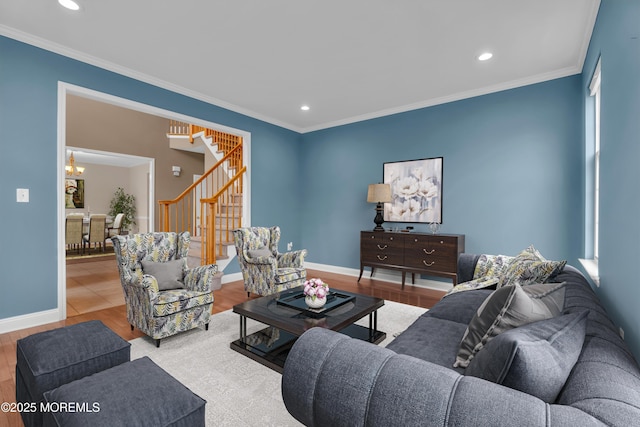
[126, 204]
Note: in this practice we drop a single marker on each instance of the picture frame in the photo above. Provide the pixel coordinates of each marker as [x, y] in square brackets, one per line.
[74, 193]
[416, 190]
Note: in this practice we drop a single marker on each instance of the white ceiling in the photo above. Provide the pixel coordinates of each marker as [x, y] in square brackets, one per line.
[348, 60]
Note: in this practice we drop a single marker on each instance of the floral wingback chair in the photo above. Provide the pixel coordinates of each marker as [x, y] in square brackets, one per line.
[264, 269]
[163, 296]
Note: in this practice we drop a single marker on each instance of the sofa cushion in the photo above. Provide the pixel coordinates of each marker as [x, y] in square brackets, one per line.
[508, 308]
[168, 274]
[174, 301]
[536, 358]
[530, 267]
[432, 339]
[459, 307]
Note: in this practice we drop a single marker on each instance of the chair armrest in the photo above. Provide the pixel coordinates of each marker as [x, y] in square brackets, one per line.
[292, 259]
[145, 281]
[200, 278]
[150, 284]
[138, 279]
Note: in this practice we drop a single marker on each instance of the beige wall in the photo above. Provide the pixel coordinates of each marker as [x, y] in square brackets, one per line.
[101, 181]
[99, 126]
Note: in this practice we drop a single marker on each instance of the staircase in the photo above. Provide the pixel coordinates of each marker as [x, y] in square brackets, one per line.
[210, 208]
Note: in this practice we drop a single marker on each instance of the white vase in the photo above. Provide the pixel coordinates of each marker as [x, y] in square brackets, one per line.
[317, 303]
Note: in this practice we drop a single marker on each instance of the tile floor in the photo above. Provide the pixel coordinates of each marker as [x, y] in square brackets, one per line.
[92, 284]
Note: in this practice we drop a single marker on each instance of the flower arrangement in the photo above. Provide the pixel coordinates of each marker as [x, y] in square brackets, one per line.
[315, 288]
[416, 188]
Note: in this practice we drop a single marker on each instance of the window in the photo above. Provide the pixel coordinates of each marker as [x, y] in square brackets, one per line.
[594, 90]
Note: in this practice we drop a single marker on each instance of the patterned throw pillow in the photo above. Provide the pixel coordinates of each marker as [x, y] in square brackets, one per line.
[491, 265]
[508, 308]
[481, 283]
[530, 267]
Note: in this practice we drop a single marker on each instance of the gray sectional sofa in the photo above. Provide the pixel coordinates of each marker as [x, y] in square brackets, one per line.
[570, 370]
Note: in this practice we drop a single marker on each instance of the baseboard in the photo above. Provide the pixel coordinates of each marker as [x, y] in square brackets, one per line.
[11, 324]
[384, 275]
[227, 278]
[381, 274]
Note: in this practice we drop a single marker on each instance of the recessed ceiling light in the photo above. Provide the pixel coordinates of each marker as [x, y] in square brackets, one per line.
[305, 108]
[485, 56]
[69, 4]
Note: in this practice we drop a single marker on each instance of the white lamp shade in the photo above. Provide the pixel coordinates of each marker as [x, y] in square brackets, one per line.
[379, 193]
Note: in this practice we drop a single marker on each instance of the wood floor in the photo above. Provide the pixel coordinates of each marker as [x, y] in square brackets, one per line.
[93, 292]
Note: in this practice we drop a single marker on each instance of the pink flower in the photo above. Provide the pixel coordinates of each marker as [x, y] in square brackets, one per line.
[315, 288]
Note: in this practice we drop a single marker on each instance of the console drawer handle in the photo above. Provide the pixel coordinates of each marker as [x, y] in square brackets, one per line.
[428, 252]
[381, 247]
[382, 258]
[428, 264]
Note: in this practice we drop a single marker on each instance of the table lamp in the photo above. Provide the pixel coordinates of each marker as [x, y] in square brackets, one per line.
[379, 193]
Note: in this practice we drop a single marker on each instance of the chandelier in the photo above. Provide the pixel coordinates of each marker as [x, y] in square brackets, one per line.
[71, 168]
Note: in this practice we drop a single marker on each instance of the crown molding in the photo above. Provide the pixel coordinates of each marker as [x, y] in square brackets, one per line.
[127, 72]
[62, 50]
[569, 71]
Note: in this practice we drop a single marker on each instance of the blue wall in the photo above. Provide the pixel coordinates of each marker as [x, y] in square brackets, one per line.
[514, 169]
[512, 172]
[28, 122]
[616, 38]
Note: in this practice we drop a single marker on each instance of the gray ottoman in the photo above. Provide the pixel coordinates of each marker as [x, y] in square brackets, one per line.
[49, 359]
[137, 393]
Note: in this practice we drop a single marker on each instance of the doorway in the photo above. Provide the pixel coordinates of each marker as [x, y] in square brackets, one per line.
[92, 279]
[65, 89]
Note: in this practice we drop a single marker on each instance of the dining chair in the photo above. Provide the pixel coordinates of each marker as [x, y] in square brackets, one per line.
[73, 232]
[114, 229]
[97, 231]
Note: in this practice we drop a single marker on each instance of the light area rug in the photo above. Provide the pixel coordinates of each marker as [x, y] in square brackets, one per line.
[240, 391]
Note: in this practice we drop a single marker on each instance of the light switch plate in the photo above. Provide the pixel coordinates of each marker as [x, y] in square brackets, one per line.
[22, 195]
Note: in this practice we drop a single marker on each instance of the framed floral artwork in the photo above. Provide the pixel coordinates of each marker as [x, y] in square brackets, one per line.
[416, 191]
[74, 193]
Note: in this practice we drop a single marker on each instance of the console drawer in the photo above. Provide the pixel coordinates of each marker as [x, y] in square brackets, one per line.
[430, 254]
[377, 247]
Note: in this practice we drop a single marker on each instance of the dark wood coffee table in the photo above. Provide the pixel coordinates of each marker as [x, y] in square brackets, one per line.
[270, 346]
